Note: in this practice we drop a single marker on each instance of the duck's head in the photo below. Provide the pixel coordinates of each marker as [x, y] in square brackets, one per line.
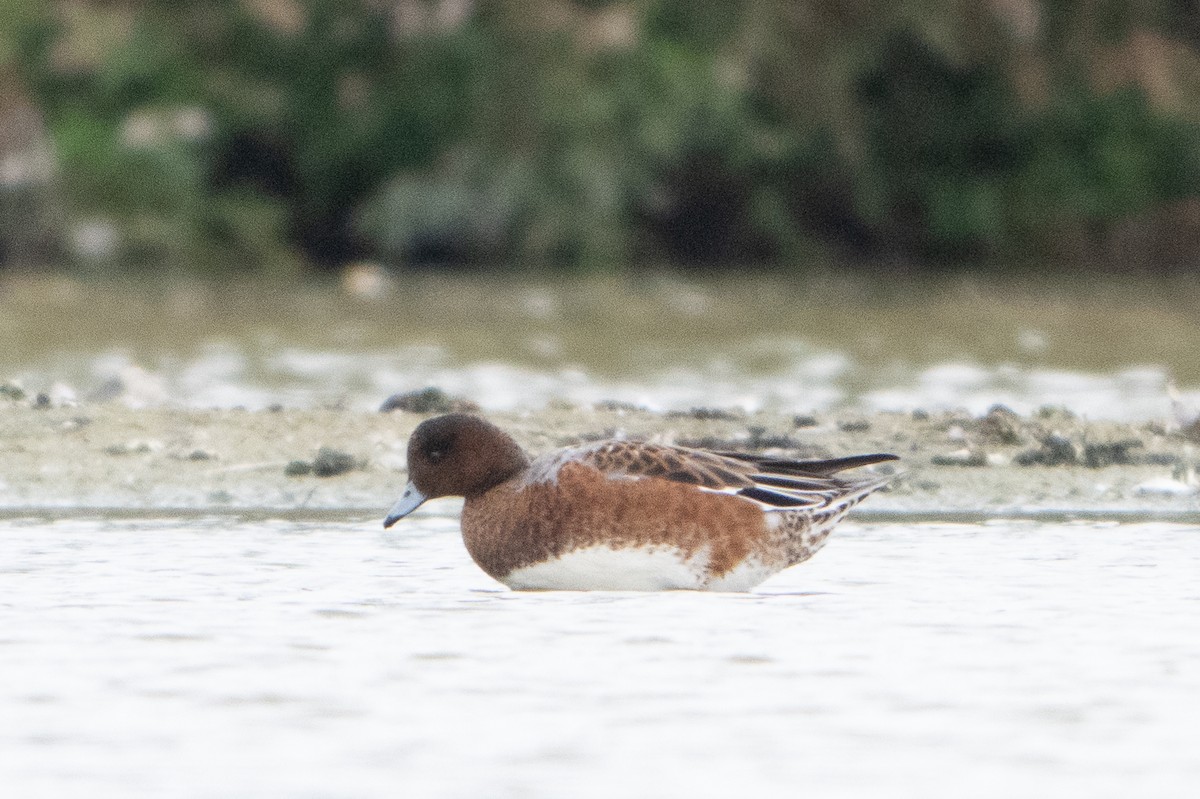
[456, 455]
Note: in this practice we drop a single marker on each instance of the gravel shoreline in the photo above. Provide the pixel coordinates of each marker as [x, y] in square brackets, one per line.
[109, 457]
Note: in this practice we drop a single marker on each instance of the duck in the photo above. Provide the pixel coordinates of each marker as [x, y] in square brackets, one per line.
[626, 515]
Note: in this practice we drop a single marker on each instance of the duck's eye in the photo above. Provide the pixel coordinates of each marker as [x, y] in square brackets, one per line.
[437, 448]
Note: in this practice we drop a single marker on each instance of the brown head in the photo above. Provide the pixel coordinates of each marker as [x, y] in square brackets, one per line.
[456, 455]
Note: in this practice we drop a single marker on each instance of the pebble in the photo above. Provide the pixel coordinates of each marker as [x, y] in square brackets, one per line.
[12, 391]
[331, 462]
[328, 463]
[427, 400]
[1055, 450]
[297, 468]
[1001, 426]
[711, 414]
[962, 457]
[1110, 453]
[133, 447]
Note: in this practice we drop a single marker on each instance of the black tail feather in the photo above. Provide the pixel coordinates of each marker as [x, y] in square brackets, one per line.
[813, 468]
[779, 499]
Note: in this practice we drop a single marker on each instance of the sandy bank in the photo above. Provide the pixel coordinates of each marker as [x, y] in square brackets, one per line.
[108, 456]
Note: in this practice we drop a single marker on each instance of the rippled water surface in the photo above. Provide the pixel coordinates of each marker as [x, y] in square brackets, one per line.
[216, 657]
[1105, 350]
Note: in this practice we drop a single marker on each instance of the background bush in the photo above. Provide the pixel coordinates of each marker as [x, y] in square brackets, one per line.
[273, 135]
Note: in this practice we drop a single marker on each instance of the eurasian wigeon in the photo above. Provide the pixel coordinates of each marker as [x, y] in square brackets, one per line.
[627, 515]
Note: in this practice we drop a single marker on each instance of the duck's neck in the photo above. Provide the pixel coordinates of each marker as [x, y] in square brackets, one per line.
[505, 460]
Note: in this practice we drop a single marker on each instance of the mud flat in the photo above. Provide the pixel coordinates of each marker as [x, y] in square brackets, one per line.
[109, 457]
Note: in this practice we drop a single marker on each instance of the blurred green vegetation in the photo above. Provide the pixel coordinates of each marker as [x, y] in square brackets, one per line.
[276, 135]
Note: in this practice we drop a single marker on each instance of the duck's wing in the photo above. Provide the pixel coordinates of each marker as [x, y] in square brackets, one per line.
[772, 482]
[635, 459]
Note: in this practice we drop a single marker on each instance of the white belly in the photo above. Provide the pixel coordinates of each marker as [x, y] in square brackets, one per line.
[602, 568]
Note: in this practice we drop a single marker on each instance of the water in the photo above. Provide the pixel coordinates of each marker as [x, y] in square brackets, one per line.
[1107, 350]
[252, 657]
